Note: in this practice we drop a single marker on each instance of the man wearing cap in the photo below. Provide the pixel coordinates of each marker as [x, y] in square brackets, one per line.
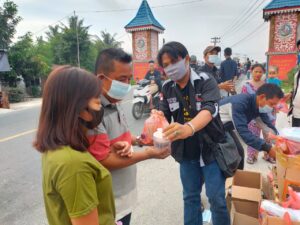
[212, 60]
[194, 64]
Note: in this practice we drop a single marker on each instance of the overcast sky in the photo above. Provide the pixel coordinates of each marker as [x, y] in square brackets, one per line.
[193, 23]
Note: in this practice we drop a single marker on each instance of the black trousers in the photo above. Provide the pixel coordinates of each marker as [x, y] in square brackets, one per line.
[126, 219]
[295, 122]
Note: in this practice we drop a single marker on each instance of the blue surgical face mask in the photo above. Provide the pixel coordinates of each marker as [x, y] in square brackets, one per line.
[265, 109]
[118, 90]
[177, 70]
[215, 59]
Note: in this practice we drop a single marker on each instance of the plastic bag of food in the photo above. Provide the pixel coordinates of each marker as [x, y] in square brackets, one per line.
[286, 145]
[155, 121]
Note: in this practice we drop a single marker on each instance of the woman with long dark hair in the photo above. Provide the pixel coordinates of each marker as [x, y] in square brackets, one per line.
[77, 188]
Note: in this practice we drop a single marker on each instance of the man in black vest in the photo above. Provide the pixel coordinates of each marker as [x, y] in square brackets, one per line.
[197, 162]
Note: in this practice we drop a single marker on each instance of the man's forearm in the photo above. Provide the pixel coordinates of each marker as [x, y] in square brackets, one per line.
[201, 120]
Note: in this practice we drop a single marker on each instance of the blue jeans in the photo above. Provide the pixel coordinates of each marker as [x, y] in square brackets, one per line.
[192, 177]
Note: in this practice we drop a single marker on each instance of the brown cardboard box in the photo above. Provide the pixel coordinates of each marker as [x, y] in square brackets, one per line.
[246, 195]
[270, 220]
[288, 170]
[247, 185]
[244, 213]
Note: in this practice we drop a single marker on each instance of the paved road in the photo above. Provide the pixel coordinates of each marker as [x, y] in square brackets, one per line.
[21, 201]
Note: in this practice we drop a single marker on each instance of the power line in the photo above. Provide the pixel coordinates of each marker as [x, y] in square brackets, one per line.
[246, 20]
[58, 21]
[236, 19]
[249, 35]
[133, 9]
[240, 19]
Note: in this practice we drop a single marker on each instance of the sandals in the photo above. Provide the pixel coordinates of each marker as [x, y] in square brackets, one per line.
[269, 159]
[251, 160]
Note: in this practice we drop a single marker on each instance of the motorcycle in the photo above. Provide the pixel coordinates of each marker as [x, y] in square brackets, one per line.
[142, 99]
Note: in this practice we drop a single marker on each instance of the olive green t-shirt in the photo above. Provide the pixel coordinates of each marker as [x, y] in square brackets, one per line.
[74, 184]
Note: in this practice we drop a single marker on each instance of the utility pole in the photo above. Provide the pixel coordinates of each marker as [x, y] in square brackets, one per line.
[78, 53]
[215, 40]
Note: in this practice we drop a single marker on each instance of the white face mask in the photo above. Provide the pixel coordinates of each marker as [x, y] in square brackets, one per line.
[118, 90]
[177, 70]
[215, 59]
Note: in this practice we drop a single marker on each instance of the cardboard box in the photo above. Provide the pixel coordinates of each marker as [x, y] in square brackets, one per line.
[270, 220]
[246, 196]
[247, 185]
[286, 171]
[245, 213]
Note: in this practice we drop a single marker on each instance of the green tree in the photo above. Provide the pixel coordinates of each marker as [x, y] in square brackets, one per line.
[8, 22]
[27, 61]
[109, 40]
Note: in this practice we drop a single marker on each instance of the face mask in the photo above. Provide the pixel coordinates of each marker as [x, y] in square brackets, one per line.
[214, 59]
[118, 90]
[177, 70]
[97, 116]
[265, 109]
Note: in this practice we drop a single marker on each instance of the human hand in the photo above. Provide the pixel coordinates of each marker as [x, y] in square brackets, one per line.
[227, 86]
[123, 148]
[177, 131]
[152, 82]
[154, 111]
[272, 152]
[158, 153]
[287, 97]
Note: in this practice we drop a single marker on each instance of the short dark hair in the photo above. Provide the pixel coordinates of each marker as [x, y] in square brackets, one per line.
[298, 43]
[228, 51]
[258, 65]
[174, 50]
[151, 61]
[106, 58]
[270, 91]
[66, 93]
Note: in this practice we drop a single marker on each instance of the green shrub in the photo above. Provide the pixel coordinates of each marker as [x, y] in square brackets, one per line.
[36, 91]
[15, 95]
[288, 84]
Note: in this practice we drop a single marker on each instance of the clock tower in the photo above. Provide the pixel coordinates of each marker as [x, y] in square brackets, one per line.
[284, 17]
[145, 30]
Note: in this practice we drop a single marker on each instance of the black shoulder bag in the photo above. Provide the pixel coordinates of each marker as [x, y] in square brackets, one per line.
[225, 152]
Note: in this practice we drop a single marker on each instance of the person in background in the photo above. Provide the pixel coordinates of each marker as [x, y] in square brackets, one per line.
[111, 142]
[229, 68]
[242, 109]
[155, 77]
[298, 49]
[212, 60]
[248, 68]
[295, 101]
[273, 76]
[197, 162]
[251, 87]
[194, 64]
[77, 188]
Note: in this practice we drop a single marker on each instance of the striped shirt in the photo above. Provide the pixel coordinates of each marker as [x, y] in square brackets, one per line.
[114, 128]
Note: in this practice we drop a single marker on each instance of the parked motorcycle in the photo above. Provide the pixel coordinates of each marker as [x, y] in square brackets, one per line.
[142, 99]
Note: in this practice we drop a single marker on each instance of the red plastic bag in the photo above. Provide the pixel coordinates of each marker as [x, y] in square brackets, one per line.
[287, 146]
[155, 121]
[294, 200]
